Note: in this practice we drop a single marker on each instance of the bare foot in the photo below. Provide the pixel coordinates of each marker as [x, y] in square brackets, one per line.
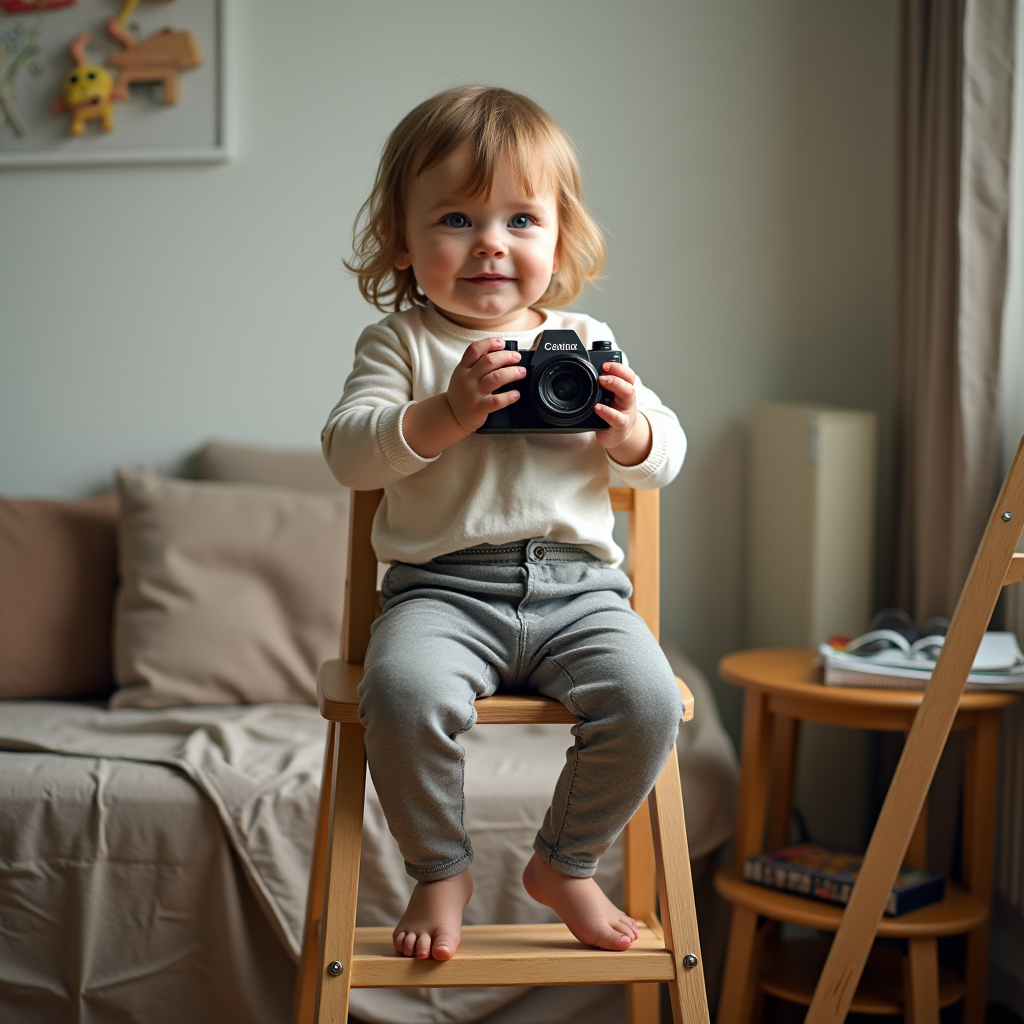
[432, 923]
[581, 904]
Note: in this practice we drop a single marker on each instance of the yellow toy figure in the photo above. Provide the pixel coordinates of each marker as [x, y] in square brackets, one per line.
[89, 91]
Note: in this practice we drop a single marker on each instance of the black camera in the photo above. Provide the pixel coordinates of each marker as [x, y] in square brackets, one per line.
[560, 389]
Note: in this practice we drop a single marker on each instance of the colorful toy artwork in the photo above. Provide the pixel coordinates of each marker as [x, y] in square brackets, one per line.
[89, 91]
[19, 51]
[155, 60]
[35, 42]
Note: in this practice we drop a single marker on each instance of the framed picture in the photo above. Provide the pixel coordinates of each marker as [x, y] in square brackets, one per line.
[111, 81]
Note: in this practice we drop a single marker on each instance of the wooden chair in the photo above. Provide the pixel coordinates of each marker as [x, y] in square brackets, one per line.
[337, 955]
[995, 566]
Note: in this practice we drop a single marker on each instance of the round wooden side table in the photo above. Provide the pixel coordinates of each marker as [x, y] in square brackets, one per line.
[784, 687]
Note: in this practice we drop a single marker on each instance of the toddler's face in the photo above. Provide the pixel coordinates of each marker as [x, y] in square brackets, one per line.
[482, 262]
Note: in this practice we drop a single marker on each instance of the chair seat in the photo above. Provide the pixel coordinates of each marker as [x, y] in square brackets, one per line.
[338, 699]
[507, 954]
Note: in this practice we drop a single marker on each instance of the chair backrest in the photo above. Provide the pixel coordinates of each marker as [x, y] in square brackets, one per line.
[362, 604]
[995, 565]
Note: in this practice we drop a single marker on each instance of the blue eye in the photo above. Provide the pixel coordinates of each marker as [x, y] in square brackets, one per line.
[456, 220]
[521, 220]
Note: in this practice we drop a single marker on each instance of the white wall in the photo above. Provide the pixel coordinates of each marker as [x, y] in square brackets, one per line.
[740, 155]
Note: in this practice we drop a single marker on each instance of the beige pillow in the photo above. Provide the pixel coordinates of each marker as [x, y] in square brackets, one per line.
[303, 469]
[58, 572]
[229, 594]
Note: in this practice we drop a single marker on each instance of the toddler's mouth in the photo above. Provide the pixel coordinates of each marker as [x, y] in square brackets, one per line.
[488, 279]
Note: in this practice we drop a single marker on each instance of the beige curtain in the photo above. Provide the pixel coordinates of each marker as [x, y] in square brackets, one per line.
[955, 116]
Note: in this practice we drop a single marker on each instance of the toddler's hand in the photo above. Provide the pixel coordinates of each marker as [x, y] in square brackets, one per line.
[484, 367]
[627, 432]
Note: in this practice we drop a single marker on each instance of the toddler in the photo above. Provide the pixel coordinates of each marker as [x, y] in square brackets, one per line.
[504, 574]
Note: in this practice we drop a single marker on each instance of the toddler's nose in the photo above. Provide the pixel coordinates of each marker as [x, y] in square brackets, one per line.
[490, 245]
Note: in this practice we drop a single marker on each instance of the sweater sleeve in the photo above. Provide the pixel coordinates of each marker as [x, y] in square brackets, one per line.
[668, 444]
[362, 440]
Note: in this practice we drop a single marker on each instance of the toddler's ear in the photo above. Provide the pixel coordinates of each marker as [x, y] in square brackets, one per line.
[402, 260]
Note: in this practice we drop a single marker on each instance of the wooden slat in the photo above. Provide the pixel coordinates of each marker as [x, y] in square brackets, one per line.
[642, 557]
[509, 954]
[361, 582]
[1014, 571]
[621, 498]
[921, 753]
[338, 698]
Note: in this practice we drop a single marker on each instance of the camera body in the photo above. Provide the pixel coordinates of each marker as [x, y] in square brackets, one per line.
[560, 389]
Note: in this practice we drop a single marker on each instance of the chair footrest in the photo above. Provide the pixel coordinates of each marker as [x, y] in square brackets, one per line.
[506, 954]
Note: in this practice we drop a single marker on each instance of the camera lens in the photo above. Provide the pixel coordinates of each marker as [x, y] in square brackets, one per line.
[565, 387]
[565, 391]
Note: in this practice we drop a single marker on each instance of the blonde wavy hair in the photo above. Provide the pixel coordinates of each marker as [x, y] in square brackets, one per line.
[495, 123]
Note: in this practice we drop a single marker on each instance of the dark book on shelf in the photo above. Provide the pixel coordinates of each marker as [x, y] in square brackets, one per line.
[827, 873]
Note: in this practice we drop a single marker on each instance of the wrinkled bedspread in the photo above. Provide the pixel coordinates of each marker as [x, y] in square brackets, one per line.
[113, 873]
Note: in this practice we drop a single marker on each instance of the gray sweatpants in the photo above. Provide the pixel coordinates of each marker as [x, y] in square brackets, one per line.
[532, 617]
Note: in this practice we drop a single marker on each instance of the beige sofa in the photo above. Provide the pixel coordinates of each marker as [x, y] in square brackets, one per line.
[155, 836]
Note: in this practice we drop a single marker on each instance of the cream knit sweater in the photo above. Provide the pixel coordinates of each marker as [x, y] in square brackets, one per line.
[488, 488]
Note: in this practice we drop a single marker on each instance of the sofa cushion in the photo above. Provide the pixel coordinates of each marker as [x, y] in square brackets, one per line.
[229, 593]
[57, 582]
[305, 470]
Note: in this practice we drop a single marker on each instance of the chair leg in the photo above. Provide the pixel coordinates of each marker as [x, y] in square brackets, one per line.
[305, 983]
[341, 890]
[921, 982]
[742, 969]
[640, 900]
[643, 1003]
[675, 888]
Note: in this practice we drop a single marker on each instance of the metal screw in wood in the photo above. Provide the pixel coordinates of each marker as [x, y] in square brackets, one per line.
[1007, 516]
[690, 960]
[335, 967]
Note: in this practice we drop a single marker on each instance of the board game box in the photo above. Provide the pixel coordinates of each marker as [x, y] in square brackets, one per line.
[827, 873]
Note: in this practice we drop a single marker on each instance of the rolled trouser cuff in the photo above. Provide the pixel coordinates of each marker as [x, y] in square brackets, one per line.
[573, 868]
[447, 870]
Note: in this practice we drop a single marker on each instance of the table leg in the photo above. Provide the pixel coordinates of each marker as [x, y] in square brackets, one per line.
[755, 760]
[981, 766]
[785, 736]
[921, 983]
[742, 969]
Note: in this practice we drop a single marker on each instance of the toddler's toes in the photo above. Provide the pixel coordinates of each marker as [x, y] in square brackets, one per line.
[610, 938]
[444, 946]
[422, 946]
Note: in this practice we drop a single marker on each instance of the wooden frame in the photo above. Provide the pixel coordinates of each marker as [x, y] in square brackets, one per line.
[336, 955]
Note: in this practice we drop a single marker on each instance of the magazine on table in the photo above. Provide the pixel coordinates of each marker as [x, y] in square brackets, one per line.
[888, 659]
